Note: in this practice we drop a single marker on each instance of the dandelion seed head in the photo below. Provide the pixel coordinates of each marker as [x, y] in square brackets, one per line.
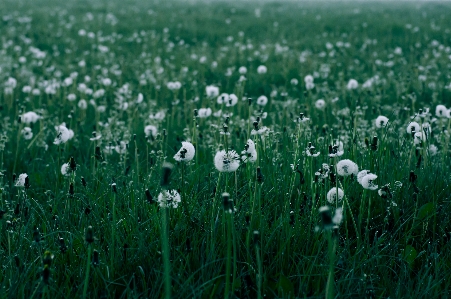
[347, 167]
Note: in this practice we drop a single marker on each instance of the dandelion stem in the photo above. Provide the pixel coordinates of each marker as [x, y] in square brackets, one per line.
[88, 267]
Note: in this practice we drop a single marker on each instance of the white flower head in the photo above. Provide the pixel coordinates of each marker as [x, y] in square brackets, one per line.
[186, 152]
[262, 100]
[204, 112]
[413, 127]
[367, 182]
[65, 169]
[352, 84]
[150, 130]
[347, 167]
[27, 133]
[335, 195]
[262, 69]
[63, 134]
[308, 79]
[29, 117]
[361, 174]
[82, 104]
[320, 104]
[20, 182]
[249, 154]
[381, 121]
[212, 91]
[227, 161]
[441, 111]
[338, 216]
[169, 199]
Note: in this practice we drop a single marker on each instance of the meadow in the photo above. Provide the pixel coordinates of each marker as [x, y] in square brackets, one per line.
[213, 149]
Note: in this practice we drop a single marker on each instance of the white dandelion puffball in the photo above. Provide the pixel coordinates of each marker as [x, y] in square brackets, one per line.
[27, 133]
[352, 84]
[223, 98]
[413, 127]
[320, 104]
[262, 69]
[338, 216]
[150, 130]
[308, 79]
[347, 167]
[65, 169]
[82, 104]
[204, 112]
[361, 174]
[63, 134]
[29, 117]
[367, 182]
[71, 97]
[250, 153]
[233, 100]
[242, 70]
[227, 161]
[169, 199]
[381, 121]
[334, 196]
[20, 182]
[441, 111]
[262, 100]
[294, 82]
[186, 152]
[212, 91]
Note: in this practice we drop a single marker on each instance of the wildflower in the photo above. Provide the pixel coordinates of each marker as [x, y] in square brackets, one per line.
[150, 130]
[64, 134]
[419, 137]
[336, 150]
[361, 174]
[20, 182]
[29, 117]
[249, 154]
[169, 198]
[227, 100]
[310, 151]
[71, 97]
[294, 82]
[262, 69]
[347, 167]
[301, 118]
[441, 111]
[27, 133]
[212, 91]
[167, 169]
[242, 70]
[65, 169]
[186, 153]
[308, 79]
[335, 195]
[263, 131]
[320, 104]
[381, 121]
[328, 221]
[95, 136]
[121, 147]
[352, 84]
[367, 182]
[82, 104]
[204, 112]
[413, 127]
[227, 161]
[262, 100]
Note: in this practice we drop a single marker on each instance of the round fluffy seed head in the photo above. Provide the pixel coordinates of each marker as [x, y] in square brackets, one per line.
[347, 167]
[27, 133]
[320, 104]
[352, 84]
[262, 69]
[335, 195]
[186, 152]
[381, 121]
[150, 131]
[227, 161]
[367, 182]
[262, 100]
[29, 117]
[361, 174]
[65, 169]
[413, 127]
[169, 198]
[63, 134]
[20, 182]
[441, 111]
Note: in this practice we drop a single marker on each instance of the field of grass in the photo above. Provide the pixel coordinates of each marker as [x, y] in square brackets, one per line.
[315, 160]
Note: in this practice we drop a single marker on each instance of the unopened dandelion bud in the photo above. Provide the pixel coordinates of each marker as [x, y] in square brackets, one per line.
[36, 235]
[72, 164]
[164, 133]
[260, 177]
[71, 189]
[412, 177]
[326, 216]
[256, 238]
[227, 120]
[98, 154]
[367, 142]
[95, 258]
[255, 123]
[134, 137]
[46, 274]
[196, 113]
[48, 258]
[228, 203]
[167, 169]
[27, 182]
[83, 182]
[89, 235]
[114, 187]
[188, 245]
[225, 128]
[249, 100]
[149, 197]
[17, 261]
[63, 247]
[374, 143]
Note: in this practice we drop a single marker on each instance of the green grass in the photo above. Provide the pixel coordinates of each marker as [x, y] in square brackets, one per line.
[396, 247]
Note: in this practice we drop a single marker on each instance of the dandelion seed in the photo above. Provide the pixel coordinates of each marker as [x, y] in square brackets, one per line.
[204, 112]
[381, 121]
[441, 111]
[186, 153]
[150, 130]
[169, 199]
[361, 174]
[65, 169]
[347, 167]
[227, 161]
[63, 134]
[249, 154]
[212, 91]
[335, 195]
[413, 127]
